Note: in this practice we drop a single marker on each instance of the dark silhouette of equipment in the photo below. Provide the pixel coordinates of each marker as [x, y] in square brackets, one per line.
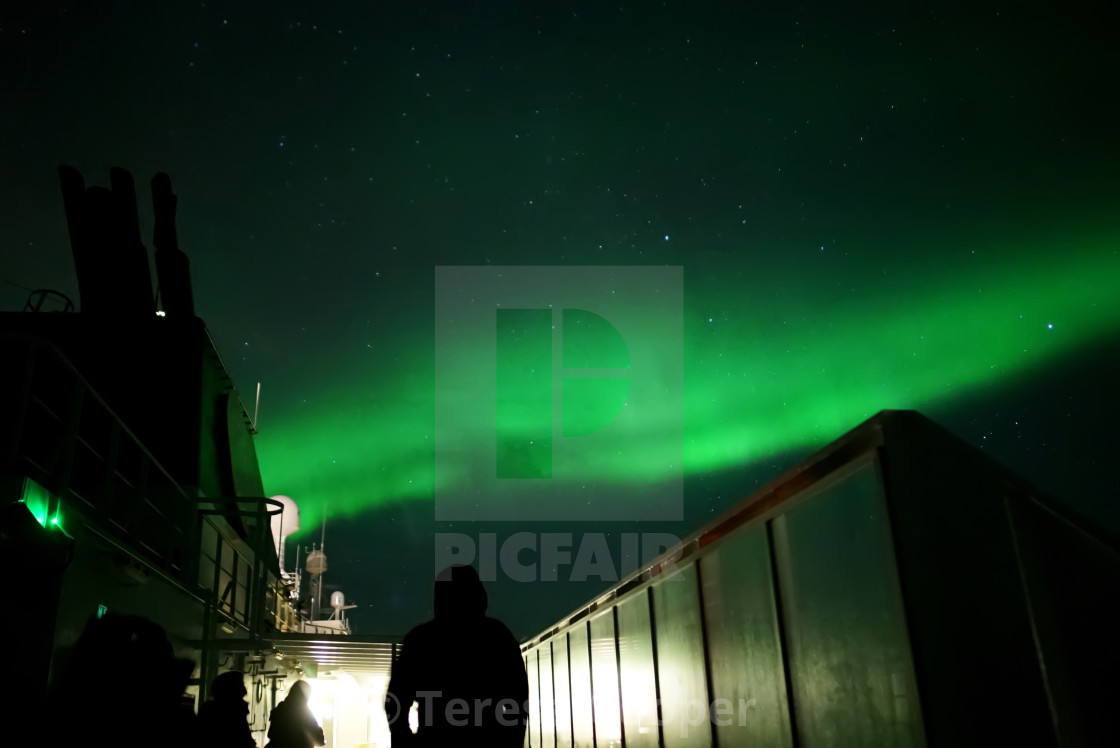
[111, 263]
[37, 298]
[114, 278]
[172, 265]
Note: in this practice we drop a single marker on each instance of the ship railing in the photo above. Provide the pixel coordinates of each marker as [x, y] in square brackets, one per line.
[242, 576]
[59, 432]
[56, 430]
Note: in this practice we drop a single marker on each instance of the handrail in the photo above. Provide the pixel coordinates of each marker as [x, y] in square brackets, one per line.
[258, 586]
[175, 551]
[34, 341]
[228, 507]
[60, 449]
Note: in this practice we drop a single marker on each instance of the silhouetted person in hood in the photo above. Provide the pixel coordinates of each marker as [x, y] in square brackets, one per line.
[463, 670]
[223, 720]
[291, 724]
[120, 684]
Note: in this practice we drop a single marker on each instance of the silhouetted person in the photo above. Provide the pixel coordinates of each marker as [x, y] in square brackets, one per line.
[464, 671]
[223, 720]
[291, 724]
[120, 684]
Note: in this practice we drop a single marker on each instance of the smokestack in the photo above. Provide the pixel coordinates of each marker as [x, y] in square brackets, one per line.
[172, 266]
[73, 194]
[110, 261]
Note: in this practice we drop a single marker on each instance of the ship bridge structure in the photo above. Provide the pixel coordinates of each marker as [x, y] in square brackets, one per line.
[898, 588]
[129, 482]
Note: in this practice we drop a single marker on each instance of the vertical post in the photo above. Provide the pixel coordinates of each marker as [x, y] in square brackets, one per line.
[232, 587]
[215, 585]
[257, 595]
[586, 624]
[314, 595]
[707, 653]
[618, 669]
[656, 665]
[783, 643]
[205, 667]
[319, 578]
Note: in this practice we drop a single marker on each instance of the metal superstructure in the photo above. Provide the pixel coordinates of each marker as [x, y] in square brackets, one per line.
[128, 470]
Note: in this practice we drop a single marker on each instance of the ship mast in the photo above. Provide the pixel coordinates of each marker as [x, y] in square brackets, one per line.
[319, 586]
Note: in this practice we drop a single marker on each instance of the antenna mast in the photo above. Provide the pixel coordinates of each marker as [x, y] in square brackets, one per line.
[322, 543]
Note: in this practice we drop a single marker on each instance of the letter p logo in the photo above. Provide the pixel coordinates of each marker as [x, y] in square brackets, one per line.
[558, 393]
[594, 387]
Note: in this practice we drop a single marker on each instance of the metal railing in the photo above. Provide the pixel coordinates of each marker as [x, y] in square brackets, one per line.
[56, 430]
[236, 572]
[60, 433]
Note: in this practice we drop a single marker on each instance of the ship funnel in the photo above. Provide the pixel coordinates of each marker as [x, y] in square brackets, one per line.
[110, 261]
[172, 266]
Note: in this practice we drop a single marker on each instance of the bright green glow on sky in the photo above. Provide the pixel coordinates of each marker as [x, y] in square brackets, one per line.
[763, 374]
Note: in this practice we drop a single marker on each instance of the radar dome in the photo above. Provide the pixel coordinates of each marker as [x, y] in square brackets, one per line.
[338, 600]
[284, 524]
[287, 521]
[316, 563]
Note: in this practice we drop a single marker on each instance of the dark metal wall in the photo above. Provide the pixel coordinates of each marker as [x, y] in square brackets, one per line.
[102, 574]
[164, 380]
[912, 593]
[791, 625]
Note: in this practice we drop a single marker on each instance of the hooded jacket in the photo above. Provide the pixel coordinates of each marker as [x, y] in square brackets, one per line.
[463, 670]
[291, 724]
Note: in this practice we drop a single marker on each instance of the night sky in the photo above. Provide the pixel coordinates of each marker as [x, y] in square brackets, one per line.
[875, 205]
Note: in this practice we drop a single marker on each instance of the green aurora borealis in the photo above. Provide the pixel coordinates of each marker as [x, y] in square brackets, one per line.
[750, 393]
[874, 205]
